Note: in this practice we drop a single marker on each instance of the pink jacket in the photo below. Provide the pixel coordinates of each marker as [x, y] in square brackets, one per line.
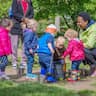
[5, 43]
[75, 50]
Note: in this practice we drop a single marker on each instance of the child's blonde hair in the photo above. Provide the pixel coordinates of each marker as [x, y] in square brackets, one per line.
[71, 33]
[29, 24]
[59, 43]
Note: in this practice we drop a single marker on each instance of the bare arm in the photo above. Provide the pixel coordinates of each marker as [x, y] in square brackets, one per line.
[51, 48]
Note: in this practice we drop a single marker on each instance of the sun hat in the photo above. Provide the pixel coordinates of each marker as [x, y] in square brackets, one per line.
[51, 28]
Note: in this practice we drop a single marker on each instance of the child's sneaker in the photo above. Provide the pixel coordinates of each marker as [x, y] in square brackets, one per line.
[4, 76]
[31, 76]
[23, 65]
[14, 66]
[51, 79]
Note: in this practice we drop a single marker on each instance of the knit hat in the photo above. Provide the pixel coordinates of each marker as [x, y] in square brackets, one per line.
[51, 28]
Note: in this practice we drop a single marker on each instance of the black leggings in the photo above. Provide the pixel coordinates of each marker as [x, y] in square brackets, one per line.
[90, 56]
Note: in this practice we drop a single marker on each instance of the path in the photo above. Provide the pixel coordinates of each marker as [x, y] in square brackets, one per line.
[87, 84]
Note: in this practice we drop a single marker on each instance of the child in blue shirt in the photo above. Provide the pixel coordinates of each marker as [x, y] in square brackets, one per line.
[45, 53]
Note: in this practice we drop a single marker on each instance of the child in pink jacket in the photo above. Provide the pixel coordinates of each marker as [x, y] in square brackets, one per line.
[5, 46]
[75, 49]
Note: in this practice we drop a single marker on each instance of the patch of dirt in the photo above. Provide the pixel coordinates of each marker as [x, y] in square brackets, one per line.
[85, 84]
[13, 74]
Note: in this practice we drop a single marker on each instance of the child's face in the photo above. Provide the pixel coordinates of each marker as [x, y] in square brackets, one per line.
[34, 28]
[59, 44]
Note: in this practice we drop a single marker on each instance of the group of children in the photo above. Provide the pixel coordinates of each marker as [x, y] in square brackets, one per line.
[51, 52]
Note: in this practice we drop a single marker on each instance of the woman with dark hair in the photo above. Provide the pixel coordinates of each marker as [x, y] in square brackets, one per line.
[22, 11]
[89, 38]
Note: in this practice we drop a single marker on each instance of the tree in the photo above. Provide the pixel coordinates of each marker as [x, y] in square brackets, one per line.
[46, 9]
[4, 6]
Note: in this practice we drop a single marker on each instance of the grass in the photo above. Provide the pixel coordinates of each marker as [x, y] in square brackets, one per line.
[9, 88]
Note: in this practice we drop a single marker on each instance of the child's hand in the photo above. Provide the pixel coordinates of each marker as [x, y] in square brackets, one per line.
[31, 51]
[51, 48]
[52, 51]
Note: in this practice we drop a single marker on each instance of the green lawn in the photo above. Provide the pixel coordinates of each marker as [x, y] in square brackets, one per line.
[8, 88]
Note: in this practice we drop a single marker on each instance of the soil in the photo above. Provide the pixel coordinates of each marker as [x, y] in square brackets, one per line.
[87, 83]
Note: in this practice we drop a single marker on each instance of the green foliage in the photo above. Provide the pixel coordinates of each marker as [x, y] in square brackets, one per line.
[4, 6]
[31, 89]
[48, 9]
[68, 9]
[87, 93]
[9, 88]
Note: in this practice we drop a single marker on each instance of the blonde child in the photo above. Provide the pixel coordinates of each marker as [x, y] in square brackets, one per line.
[57, 60]
[75, 49]
[5, 46]
[45, 53]
[30, 45]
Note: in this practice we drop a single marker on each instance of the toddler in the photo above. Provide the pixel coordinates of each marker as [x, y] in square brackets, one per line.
[30, 45]
[75, 49]
[5, 46]
[57, 60]
[45, 53]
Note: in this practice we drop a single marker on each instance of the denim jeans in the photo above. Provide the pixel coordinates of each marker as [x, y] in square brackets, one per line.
[58, 69]
[75, 64]
[30, 61]
[45, 61]
[3, 62]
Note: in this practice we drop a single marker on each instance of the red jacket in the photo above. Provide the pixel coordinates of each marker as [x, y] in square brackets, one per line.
[5, 43]
[75, 50]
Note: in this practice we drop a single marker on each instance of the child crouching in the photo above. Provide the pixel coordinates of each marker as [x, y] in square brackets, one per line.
[57, 60]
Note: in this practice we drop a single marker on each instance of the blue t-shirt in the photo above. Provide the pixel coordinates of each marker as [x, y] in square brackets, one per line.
[43, 43]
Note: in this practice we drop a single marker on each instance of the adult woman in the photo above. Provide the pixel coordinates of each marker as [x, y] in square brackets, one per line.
[22, 10]
[89, 38]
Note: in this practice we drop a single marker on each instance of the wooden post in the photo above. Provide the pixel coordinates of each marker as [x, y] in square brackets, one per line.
[57, 22]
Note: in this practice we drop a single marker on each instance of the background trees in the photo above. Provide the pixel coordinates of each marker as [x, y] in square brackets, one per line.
[48, 9]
